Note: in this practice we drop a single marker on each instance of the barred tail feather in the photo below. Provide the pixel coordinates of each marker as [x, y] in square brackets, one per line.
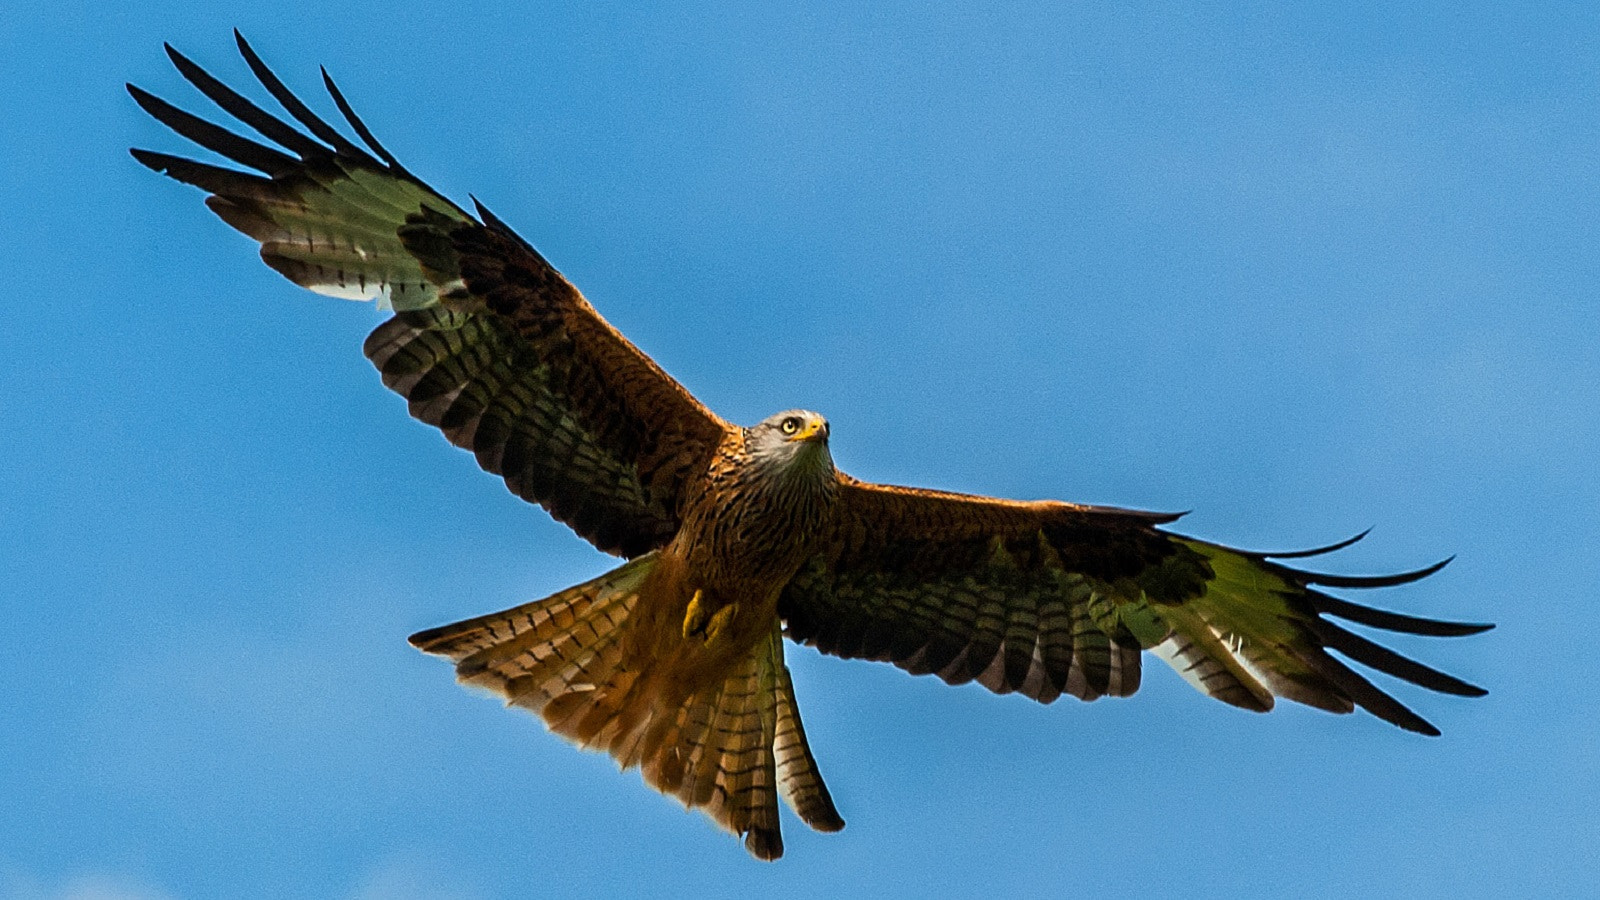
[728, 748]
[732, 748]
[799, 782]
[561, 646]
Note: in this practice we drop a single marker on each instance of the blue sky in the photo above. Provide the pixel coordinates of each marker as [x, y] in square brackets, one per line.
[1301, 270]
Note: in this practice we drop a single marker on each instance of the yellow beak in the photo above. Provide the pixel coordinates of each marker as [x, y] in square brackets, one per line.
[813, 430]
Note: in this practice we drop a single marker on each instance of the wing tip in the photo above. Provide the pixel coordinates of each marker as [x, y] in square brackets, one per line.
[141, 96]
[360, 126]
[1315, 551]
[1424, 728]
[1388, 661]
[155, 162]
[1326, 579]
[1373, 617]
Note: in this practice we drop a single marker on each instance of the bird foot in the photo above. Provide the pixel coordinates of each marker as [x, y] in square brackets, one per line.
[702, 622]
[694, 621]
[719, 620]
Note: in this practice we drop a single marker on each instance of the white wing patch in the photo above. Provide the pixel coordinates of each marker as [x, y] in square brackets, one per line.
[1204, 664]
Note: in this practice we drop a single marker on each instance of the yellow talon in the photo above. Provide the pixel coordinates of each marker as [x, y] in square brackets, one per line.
[697, 621]
[719, 621]
[694, 621]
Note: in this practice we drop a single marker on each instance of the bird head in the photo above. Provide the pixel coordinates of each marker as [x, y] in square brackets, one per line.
[795, 440]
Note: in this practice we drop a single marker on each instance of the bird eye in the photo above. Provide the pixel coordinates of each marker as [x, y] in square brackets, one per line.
[790, 425]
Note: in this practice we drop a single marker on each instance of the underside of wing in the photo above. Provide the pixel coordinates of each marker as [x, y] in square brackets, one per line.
[489, 342]
[1006, 593]
[1049, 598]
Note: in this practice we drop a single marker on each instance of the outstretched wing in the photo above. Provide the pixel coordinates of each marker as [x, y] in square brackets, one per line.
[1047, 598]
[489, 343]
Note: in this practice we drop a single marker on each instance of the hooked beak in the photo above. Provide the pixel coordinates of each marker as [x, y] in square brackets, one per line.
[814, 430]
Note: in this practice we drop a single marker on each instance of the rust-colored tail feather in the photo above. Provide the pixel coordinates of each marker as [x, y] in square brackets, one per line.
[729, 748]
[799, 782]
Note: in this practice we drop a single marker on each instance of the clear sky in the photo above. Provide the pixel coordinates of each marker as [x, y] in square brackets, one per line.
[1301, 270]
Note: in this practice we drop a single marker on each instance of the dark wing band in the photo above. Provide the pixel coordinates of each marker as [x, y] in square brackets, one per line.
[1049, 598]
[489, 343]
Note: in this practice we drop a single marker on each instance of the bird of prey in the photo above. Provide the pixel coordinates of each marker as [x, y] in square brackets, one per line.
[735, 537]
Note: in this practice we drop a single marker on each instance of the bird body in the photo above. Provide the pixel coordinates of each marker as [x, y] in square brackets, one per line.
[673, 662]
[736, 537]
[768, 497]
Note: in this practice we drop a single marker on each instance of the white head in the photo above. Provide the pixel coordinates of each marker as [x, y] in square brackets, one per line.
[793, 442]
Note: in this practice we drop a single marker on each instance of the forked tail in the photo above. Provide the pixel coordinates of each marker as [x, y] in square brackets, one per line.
[729, 748]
